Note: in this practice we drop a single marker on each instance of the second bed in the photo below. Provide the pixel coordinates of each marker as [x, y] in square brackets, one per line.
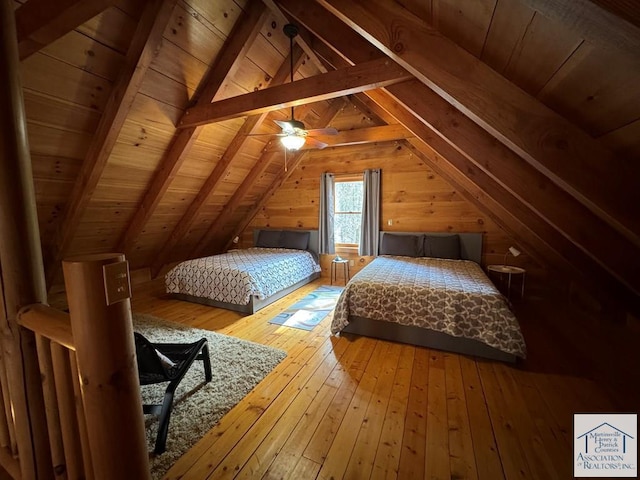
[247, 280]
[444, 303]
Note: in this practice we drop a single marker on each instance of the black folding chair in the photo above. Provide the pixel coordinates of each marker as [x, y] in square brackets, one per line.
[167, 362]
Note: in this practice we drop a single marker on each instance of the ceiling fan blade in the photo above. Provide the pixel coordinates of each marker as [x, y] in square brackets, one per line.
[322, 131]
[315, 143]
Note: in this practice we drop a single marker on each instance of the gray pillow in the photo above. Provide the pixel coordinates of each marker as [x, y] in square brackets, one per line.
[296, 240]
[269, 238]
[442, 246]
[406, 245]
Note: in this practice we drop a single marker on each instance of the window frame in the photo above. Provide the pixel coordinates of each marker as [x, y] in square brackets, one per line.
[347, 248]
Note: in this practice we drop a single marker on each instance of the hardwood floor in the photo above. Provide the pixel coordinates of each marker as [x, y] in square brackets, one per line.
[355, 407]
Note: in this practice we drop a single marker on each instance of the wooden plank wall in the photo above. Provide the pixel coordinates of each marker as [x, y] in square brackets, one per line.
[414, 198]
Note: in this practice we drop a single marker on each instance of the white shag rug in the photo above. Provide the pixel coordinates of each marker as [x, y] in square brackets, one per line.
[237, 367]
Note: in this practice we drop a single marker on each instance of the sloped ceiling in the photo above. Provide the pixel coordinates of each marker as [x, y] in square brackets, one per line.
[529, 107]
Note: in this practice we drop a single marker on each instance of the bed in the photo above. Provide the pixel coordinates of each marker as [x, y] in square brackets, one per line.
[246, 280]
[428, 289]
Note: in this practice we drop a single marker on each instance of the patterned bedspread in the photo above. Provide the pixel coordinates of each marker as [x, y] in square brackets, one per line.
[449, 296]
[234, 276]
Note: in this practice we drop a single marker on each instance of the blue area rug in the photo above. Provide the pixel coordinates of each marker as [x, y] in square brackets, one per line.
[310, 311]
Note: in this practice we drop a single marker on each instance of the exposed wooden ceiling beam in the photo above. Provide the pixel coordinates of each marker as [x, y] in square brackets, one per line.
[527, 235]
[518, 184]
[243, 189]
[428, 146]
[225, 240]
[541, 239]
[144, 47]
[233, 51]
[365, 76]
[373, 111]
[592, 22]
[506, 219]
[528, 189]
[219, 172]
[625, 9]
[564, 153]
[240, 40]
[41, 22]
[250, 126]
[204, 246]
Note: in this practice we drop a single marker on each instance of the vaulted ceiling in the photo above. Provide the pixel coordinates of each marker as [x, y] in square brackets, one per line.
[143, 115]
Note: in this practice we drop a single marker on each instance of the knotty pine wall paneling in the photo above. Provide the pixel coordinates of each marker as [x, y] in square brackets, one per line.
[414, 198]
[66, 86]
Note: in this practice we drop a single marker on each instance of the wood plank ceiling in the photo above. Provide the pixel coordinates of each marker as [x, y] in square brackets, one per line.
[142, 115]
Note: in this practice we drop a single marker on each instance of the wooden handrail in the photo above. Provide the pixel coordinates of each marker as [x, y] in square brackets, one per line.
[48, 322]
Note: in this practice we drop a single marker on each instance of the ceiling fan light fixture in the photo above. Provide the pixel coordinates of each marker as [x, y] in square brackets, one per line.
[293, 142]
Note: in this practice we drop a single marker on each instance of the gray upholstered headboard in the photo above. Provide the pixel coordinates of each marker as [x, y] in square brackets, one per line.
[314, 240]
[470, 243]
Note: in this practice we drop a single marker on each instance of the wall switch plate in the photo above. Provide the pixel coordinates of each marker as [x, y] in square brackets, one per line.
[352, 263]
[116, 282]
[390, 222]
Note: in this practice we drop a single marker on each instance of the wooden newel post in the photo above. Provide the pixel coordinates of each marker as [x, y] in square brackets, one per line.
[98, 293]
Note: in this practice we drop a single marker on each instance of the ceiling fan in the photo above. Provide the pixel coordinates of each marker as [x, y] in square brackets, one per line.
[294, 134]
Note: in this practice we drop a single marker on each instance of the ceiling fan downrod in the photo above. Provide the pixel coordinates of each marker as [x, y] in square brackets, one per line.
[291, 31]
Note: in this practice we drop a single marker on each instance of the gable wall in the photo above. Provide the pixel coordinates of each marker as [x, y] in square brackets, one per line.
[413, 196]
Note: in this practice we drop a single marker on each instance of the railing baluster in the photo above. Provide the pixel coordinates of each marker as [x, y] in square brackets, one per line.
[5, 438]
[43, 346]
[67, 408]
[82, 421]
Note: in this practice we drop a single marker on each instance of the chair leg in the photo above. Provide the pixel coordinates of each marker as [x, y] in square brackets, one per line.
[206, 360]
[163, 423]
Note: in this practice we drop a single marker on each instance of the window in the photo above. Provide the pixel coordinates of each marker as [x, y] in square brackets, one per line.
[348, 211]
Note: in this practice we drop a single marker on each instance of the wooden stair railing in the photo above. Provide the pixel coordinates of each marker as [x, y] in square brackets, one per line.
[58, 367]
[89, 375]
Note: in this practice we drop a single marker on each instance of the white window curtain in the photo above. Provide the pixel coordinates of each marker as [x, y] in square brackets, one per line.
[327, 214]
[370, 230]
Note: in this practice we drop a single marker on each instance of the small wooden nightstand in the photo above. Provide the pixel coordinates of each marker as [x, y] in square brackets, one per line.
[345, 268]
[509, 271]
